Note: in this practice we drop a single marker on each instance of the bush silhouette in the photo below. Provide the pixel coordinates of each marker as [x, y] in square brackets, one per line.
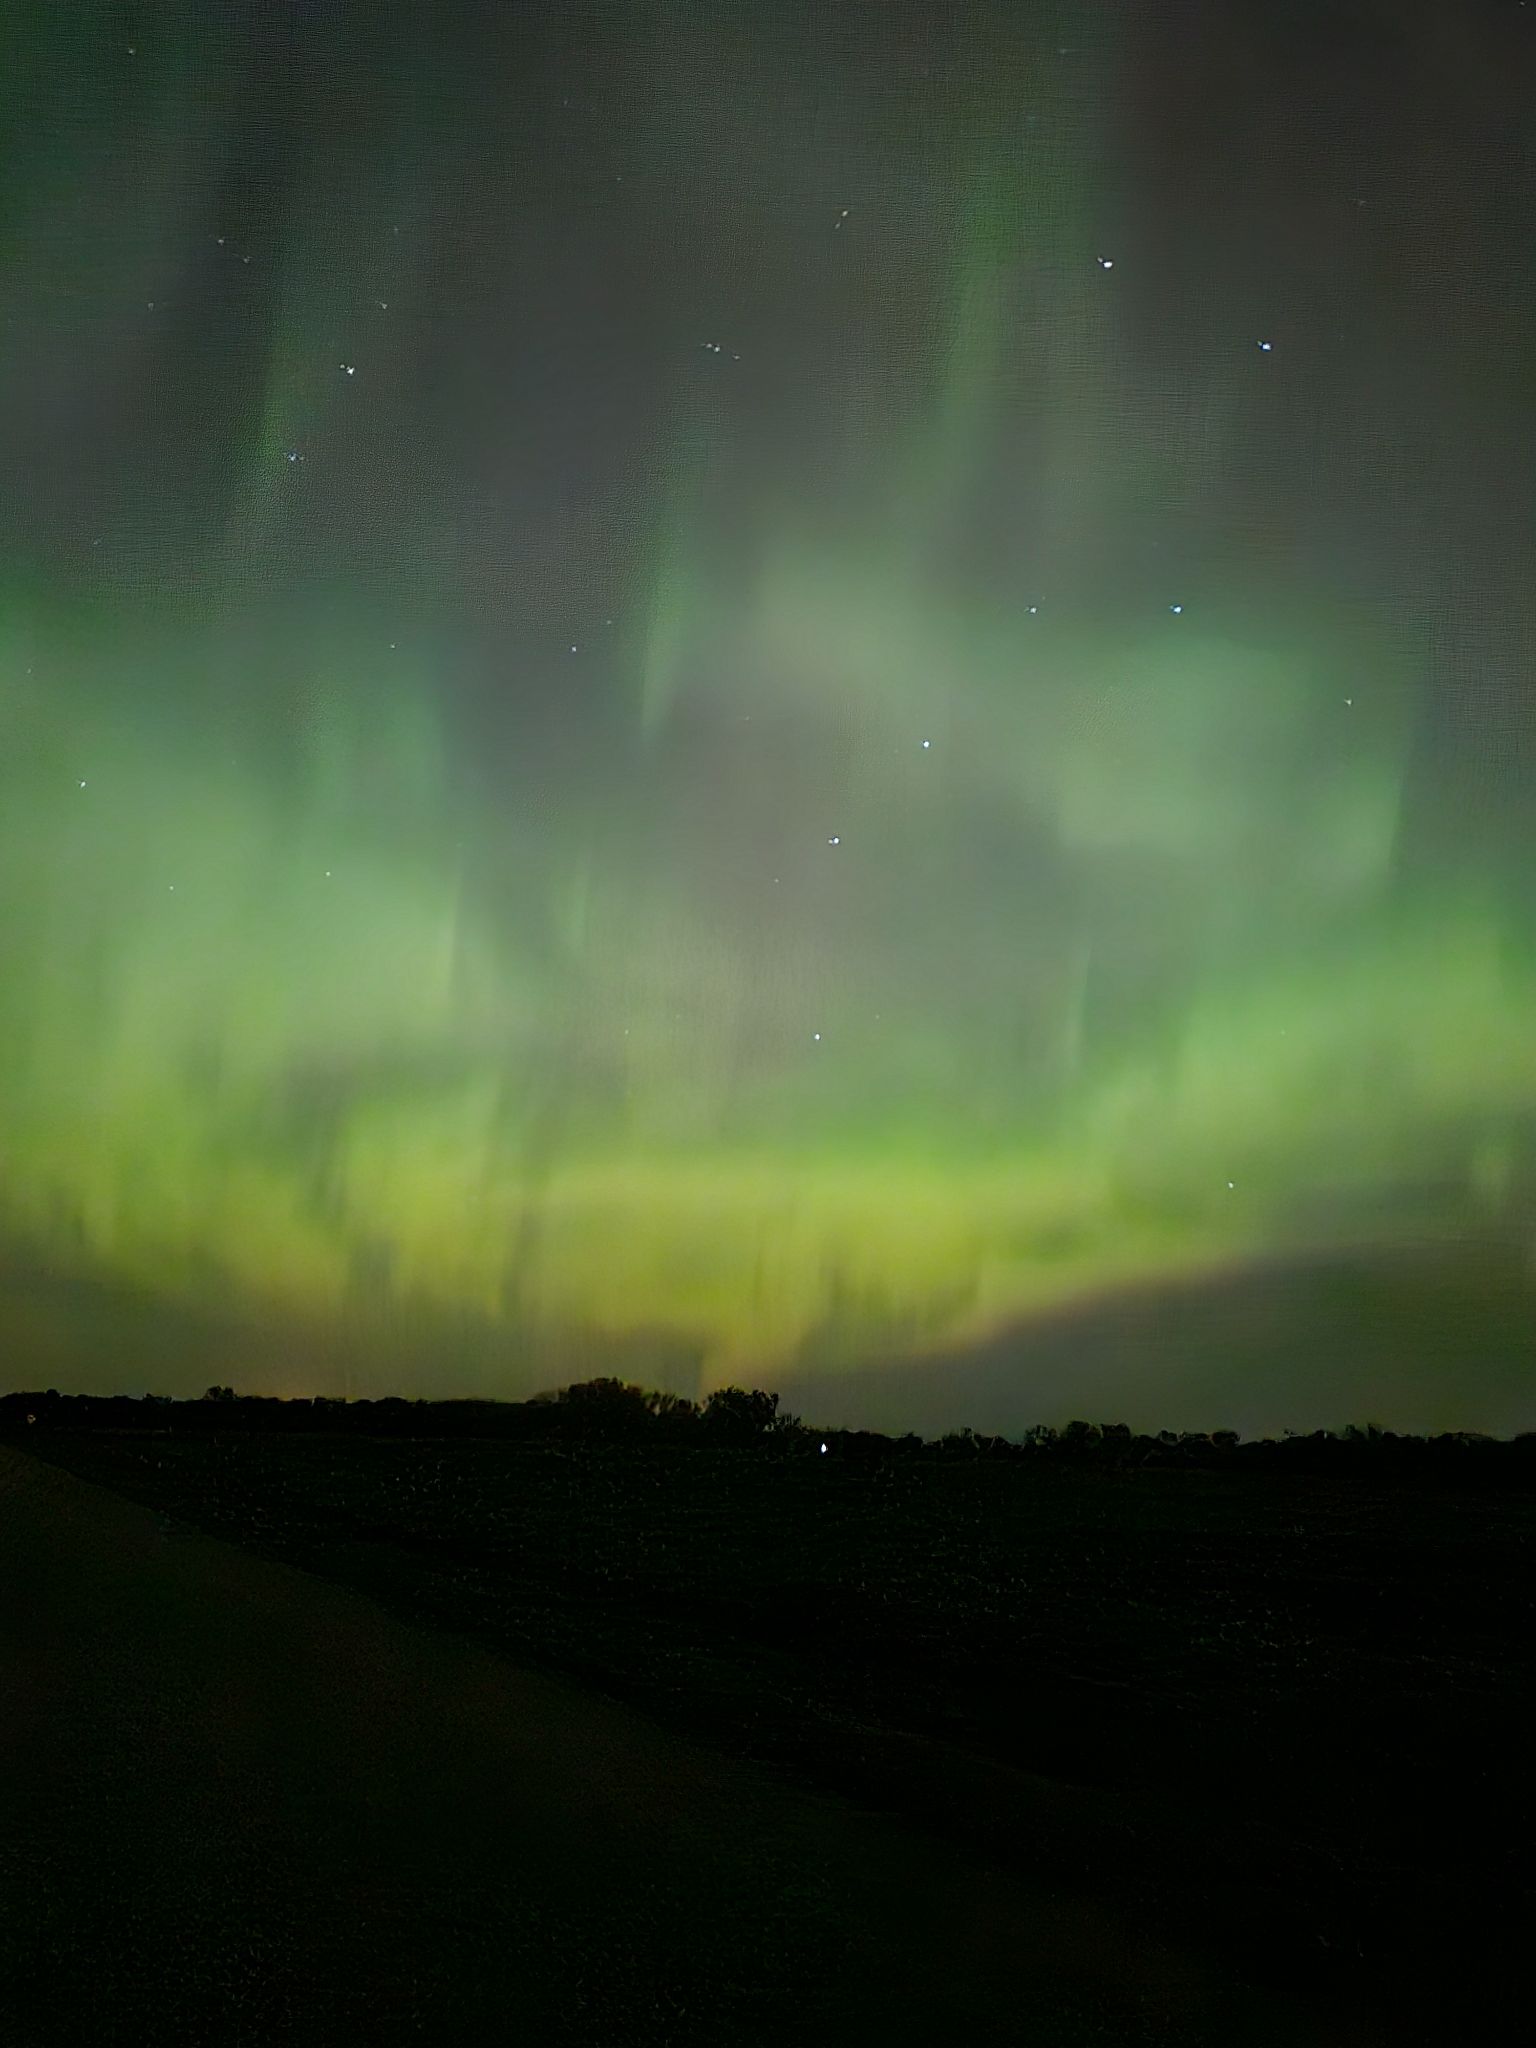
[605, 1407]
[732, 1415]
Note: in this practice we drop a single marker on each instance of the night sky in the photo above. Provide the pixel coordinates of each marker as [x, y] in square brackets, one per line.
[832, 695]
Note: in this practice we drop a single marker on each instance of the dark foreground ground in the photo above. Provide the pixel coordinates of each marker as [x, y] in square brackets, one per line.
[672, 1745]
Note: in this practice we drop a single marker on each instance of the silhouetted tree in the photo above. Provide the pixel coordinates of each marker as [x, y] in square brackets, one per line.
[606, 1407]
[732, 1415]
[960, 1443]
[671, 1407]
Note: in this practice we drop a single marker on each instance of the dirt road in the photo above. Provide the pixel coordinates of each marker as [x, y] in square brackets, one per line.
[238, 1804]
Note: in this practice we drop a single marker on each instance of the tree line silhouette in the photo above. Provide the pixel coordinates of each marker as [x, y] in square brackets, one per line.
[615, 1411]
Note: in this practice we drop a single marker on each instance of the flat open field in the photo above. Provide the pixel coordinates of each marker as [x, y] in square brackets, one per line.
[1281, 1724]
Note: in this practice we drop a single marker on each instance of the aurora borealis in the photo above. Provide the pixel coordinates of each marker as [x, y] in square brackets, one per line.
[729, 696]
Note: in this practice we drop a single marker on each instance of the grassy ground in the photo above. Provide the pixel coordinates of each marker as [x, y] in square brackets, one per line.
[1282, 1718]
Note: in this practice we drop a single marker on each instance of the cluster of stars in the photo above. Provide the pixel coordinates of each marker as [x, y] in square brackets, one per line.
[348, 369]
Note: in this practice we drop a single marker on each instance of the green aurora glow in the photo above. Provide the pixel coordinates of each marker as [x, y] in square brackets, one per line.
[265, 1038]
[915, 953]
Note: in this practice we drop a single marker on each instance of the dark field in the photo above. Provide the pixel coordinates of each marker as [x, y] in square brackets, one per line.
[1285, 1720]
